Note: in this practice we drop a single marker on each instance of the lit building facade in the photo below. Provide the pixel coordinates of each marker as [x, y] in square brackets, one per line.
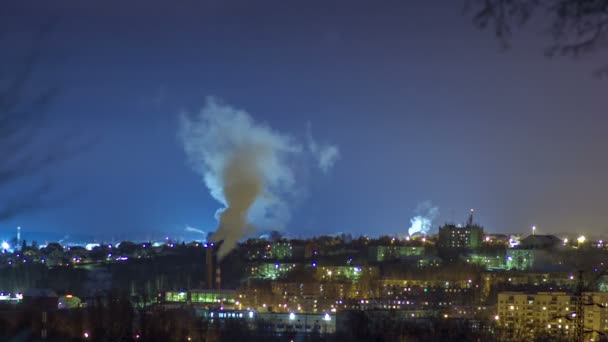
[279, 323]
[279, 250]
[269, 270]
[382, 253]
[488, 261]
[205, 298]
[553, 313]
[520, 259]
[451, 236]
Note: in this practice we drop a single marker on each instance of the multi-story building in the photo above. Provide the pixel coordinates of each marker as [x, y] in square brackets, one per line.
[312, 297]
[344, 273]
[277, 250]
[269, 270]
[281, 250]
[552, 313]
[531, 281]
[602, 283]
[282, 324]
[421, 261]
[433, 293]
[489, 261]
[452, 236]
[203, 298]
[382, 253]
[520, 259]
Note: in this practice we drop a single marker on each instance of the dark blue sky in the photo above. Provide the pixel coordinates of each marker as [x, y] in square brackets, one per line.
[422, 105]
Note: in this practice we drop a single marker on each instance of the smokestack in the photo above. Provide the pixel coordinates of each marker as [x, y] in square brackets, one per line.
[214, 273]
[209, 262]
[218, 277]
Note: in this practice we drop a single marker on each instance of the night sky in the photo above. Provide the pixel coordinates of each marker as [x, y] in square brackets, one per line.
[421, 104]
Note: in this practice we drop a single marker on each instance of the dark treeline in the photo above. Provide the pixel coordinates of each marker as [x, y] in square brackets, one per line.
[183, 269]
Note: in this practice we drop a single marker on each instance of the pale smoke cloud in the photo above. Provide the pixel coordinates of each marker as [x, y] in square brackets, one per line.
[325, 154]
[246, 166]
[423, 222]
[195, 230]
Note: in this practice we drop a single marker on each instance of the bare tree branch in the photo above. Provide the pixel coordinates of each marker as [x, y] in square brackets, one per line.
[502, 15]
[577, 27]
[22, 115]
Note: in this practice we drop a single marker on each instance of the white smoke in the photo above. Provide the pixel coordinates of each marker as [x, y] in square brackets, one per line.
[247, 167]
[423, 221]
[325, 154]
[194, 230]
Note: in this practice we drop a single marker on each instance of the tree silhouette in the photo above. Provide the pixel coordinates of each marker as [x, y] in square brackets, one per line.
[23, 107]
[577, 27]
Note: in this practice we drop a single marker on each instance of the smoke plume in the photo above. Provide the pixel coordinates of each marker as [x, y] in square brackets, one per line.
[247, 167]
[194, 230]
[325, 154]
[423, 221]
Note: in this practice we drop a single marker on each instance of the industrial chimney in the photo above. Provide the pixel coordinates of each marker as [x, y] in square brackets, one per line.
[214, 275]
[218, 277]
[209, 262]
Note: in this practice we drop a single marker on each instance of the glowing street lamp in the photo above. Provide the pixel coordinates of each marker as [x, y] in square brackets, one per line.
[533, 230]
[581, 239]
